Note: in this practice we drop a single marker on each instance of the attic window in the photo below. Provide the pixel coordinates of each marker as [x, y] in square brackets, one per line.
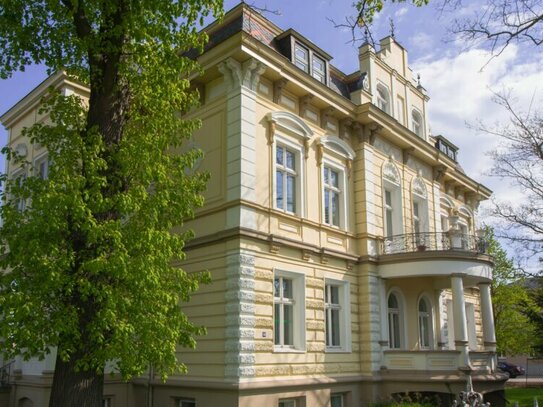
[309, 62]
[446, 148]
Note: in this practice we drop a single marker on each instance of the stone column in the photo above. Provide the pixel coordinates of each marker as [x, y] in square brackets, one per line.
[460, 321]
[489, 333]
[384, 314]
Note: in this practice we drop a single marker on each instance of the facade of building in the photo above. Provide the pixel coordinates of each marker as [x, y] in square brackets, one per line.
[339, 233]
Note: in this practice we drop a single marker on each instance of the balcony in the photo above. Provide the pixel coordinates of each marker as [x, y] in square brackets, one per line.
[434, 241]
[436, 254]
[438, 360]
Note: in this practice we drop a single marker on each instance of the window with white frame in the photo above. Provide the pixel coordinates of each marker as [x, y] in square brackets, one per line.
[186, 403]
[301, 57]
[416, 123]
[41, 167]
[337, 156]
[337, 400]
[383, 98]
[310, 62]
[392, 209]
[337, 315]
[286, 178]
[18, 179]
[289, 311]
[420, 210]
[333, 196]
[392, 202]
[394, 322]
[425, 323]
[288, 403]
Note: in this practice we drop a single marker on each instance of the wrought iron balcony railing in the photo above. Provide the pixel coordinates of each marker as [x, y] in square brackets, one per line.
[433, 241]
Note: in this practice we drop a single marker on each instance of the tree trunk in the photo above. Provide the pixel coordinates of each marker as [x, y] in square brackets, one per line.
[75, 388]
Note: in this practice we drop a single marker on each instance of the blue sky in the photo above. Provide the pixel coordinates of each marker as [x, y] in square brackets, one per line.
[459, 81]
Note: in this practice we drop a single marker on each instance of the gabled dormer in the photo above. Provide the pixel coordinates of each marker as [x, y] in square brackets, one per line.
[305, 55]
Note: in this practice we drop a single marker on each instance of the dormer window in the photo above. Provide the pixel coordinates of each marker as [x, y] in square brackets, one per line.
[446, 147]
[308, 61]
[319, 68]
[301, 57]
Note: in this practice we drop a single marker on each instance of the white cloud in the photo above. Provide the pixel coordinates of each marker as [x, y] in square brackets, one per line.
[398, 15]
[421, 41]
[462, 93]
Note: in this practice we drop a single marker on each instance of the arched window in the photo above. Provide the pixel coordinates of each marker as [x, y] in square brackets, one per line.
[420, 211]
[425, 323]
[416, 123]
[392, 202]
[383, 98]
[394, 322]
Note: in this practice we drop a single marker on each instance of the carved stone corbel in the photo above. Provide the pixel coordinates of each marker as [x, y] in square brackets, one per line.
[439, 172]
[306, 255]
[320, 153]
[372, 132]
[325, 116]
[271, 131]
[449, 187]
[278, 87]
[358, 131]
[344, 129]
[246, 74]
[406, 152]
[349, 165]
[305, 101]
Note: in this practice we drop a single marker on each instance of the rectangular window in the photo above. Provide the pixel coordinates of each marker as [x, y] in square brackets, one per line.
[388, 214]
[285, 179]
[416, 218]
[106, 402]
[301, 57]
[41, 167]
[332, 316]
[337, 315]
[187, 403]
[284, 311]
[20, 203]
[336, 400]
[318, 68]
[332, 194]
[288, 403]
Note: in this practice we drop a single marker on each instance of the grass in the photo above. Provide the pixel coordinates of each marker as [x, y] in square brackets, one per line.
[524, 396]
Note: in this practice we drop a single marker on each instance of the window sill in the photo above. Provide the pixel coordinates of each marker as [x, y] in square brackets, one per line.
[337, 350]
[288, 350]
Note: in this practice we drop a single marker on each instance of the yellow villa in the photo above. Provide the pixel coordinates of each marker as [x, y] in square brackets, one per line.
[340, 235]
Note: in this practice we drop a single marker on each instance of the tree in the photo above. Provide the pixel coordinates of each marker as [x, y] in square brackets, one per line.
[519, 159]
[512, 303]
[91, 263]
[496, 23]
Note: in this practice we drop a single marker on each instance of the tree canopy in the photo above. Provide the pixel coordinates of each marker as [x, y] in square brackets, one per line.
[92, 265]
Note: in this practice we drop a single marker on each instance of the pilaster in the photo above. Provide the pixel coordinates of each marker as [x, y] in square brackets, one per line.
[241, 80]
[240, 315]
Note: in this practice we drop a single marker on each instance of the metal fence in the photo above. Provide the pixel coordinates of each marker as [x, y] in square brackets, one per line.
[533, 376]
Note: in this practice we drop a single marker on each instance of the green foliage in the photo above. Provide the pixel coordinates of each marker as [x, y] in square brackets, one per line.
[512, 302]
[367, 9]
[523, 396]
[410, 400]
[92, 263]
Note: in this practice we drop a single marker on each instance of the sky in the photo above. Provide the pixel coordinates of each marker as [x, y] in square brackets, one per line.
[459, 81]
